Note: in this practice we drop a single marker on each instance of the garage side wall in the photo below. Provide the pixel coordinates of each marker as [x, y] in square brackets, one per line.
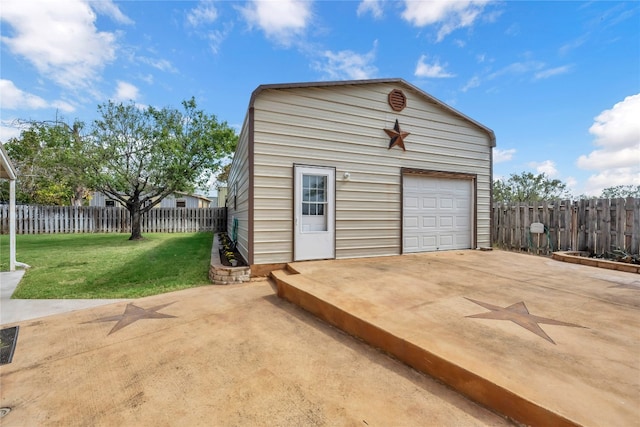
[343, 127]
[238, 192]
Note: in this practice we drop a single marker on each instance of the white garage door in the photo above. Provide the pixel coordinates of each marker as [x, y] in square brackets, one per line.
[436, 214]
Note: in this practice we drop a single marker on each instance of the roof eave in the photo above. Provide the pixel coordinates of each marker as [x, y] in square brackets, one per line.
[7, 167]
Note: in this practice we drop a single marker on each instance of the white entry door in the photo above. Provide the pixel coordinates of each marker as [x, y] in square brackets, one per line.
[314, 213]
[437, 214]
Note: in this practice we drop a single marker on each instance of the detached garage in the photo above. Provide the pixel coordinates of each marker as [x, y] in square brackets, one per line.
[356, 169]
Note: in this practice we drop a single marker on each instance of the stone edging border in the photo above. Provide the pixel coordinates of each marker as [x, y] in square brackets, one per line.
[577, 257]
[220, 274]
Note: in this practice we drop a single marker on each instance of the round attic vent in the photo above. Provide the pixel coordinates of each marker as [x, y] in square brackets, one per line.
[397, 100]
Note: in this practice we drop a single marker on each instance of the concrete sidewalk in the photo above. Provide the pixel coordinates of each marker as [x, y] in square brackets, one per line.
[541, 341]
[16, 310]
[214, 356]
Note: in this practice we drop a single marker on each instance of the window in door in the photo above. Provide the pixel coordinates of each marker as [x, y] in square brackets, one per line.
[314, 203]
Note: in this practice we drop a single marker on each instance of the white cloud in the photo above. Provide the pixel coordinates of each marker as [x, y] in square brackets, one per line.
[281, 20]
[574, 44]
[347, 64]
[518, 68]
[60, 39]
[434, 70]
[472, 83]
[204, 13]
[513, 30]
[500, 156]
[619, 126]
[160, 64]
[216, 37]
[9, 129]
[107, 7]
[610, 158]
[611, 178]
[125, 92]
[447, 15]
[547, 167]
[14, 98]
[550, 72]
[571, 183]
[148, 78]
[371, 6]
[63, 105]
[617, 134]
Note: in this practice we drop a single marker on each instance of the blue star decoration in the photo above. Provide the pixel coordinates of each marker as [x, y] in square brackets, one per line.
[519, 314]
[397, 136]
[133, 313]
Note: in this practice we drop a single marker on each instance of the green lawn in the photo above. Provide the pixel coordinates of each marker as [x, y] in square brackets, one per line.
[109, 265]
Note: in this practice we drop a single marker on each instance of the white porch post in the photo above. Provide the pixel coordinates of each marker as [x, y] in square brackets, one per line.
[12, 225]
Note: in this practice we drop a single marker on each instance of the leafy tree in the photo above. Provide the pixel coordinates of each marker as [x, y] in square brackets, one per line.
[140, 156]
[223, 176]
[621, 191]
[528, 187]
[49, 167]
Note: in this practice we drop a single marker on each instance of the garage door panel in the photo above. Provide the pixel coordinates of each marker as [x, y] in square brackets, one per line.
[441, 217]
[446, 203]
[411, 244]
[463, 204]
[462, 222]
[428, 241]
[462, 240]
[446, 240]
[446, 221]
[410, 202]
[429, 222]
[411, 222]
[446, 184]
[429, 203]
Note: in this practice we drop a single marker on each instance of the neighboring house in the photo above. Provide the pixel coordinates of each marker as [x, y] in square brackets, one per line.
[222, 196]
[176, 200]
[357, 169]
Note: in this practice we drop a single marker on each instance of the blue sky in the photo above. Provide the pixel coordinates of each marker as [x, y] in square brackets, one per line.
[558, 82]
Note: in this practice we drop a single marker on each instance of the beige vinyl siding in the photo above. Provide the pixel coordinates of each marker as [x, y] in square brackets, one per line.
[342, 127]
[239, 181]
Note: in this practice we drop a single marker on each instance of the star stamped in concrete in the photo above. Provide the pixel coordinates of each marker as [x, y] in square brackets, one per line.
[133, 313]
[397, 136]
[519, 314]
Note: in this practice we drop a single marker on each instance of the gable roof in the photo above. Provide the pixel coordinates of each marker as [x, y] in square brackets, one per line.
[7, 171]
[398, 81]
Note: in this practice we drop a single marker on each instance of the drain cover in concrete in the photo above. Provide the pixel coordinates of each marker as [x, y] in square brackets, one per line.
[8, 339]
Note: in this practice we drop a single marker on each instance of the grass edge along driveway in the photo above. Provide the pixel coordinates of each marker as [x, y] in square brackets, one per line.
[109, 265]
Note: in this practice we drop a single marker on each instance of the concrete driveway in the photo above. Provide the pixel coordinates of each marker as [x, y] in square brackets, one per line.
[238, 355]
[214, 356]
[542, 341]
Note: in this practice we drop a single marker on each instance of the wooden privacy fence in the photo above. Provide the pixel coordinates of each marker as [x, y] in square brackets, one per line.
[91, 219]
[591, 225]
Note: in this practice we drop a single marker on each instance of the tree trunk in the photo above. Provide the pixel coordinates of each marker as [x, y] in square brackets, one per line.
[77, 198]
[136, 231]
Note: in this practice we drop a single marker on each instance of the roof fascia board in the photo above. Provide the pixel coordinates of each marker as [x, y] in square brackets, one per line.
[6, 164]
